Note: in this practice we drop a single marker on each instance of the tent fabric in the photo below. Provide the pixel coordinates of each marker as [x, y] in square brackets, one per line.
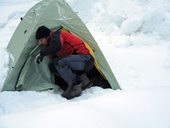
[24, 73]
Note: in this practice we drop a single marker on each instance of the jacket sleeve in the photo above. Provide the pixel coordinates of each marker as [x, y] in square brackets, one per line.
[53, 47]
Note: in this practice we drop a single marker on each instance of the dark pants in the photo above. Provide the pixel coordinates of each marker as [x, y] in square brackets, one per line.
[68, 67]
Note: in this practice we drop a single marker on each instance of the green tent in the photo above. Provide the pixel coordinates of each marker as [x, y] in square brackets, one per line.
[24, 73]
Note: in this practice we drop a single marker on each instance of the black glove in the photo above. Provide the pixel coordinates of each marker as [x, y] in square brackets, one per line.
[39, 58]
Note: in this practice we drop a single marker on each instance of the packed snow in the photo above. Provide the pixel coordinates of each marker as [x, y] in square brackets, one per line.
[134, 36]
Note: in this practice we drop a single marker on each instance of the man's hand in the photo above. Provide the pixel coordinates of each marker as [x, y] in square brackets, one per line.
[39, 58]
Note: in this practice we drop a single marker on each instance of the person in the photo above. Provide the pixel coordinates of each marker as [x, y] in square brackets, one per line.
[71, 58]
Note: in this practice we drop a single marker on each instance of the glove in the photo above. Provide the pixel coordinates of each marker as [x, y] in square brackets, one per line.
[39, 58]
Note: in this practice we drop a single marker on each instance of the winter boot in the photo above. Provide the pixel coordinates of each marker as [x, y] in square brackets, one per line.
[75, 91]
[65, 93]
[86, 83]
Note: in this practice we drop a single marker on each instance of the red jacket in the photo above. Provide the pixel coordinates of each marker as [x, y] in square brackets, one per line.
[63, 43]
[71, 44]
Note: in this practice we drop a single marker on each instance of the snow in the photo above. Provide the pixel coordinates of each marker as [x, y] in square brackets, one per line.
[142, 109]
[134, 36]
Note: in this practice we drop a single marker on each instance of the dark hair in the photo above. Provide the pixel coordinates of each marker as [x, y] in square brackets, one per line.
[42, 32]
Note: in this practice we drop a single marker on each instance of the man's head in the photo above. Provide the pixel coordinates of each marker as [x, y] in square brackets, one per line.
[42, 35]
